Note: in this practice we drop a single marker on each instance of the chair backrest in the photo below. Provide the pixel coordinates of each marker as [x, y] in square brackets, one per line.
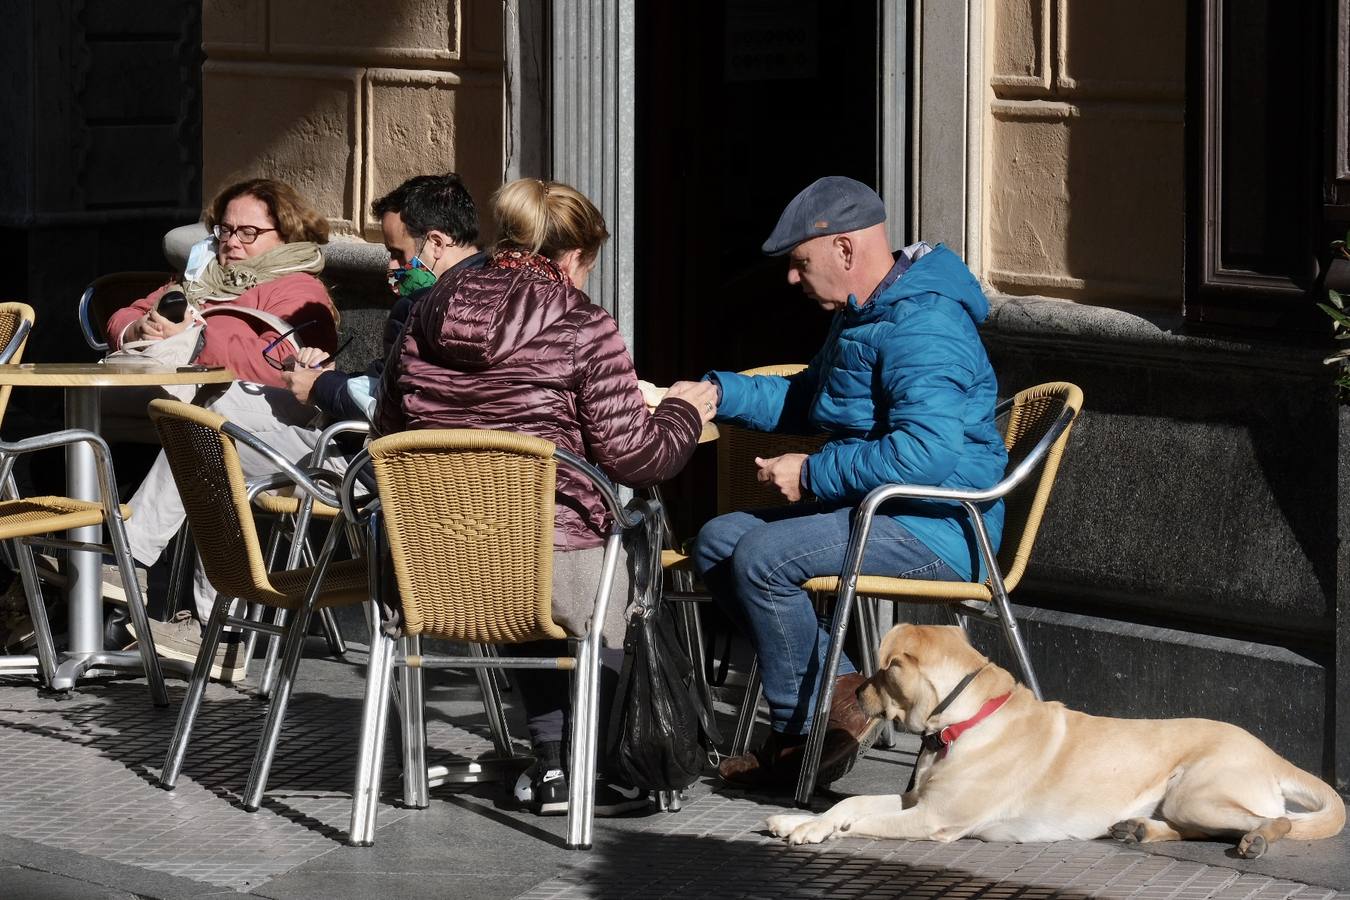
[469, 519]
[737, 486]
[1035, 412]
[211, 482]
[109, 293]
[13, 340]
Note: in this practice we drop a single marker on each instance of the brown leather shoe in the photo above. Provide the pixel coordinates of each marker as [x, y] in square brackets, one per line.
[777, 762]
[774, 763]
[851, 733]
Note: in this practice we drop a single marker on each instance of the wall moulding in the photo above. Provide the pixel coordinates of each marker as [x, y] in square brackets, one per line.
[1069, 287]
[1029, 25]
[1058, 110]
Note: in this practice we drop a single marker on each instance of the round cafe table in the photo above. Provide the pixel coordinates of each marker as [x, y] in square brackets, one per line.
[82, 384]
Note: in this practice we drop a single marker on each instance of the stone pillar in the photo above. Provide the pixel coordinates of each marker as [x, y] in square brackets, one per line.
[345, 100]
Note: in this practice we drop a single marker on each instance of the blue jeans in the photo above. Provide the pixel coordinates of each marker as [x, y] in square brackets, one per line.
[755, 562]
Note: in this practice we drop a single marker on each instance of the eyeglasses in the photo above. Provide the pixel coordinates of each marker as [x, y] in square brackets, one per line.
[247, 234]
[288, 363]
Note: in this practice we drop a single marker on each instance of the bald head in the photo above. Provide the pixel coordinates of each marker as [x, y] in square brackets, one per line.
[832, 267]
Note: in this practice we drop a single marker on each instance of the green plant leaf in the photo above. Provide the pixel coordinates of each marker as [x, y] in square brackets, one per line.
[1341, 319]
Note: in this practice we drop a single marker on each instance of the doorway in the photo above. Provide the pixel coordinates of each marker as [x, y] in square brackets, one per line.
[739, 106]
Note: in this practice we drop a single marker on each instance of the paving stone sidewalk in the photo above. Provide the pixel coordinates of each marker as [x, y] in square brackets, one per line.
[81, 815]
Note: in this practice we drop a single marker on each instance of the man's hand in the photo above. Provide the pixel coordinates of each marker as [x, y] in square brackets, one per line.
[783, 472]
[300, 377]
[702, 395]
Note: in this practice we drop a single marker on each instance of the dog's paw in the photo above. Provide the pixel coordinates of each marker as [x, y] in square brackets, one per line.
[783, 825]
[1252, 846]
[1130, 831]
[814, 831]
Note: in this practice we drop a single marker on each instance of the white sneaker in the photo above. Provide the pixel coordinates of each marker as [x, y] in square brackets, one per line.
[181, 638]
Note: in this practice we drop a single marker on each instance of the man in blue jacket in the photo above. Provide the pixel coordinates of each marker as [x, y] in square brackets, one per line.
[905, 391]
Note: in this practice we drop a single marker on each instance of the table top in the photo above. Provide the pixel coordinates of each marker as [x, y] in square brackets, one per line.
[710, 433]
[105, 375]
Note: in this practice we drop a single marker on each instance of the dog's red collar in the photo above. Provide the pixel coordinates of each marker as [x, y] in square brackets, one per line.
[938, 741]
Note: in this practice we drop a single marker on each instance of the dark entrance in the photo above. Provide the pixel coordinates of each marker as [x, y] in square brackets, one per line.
[739, 106]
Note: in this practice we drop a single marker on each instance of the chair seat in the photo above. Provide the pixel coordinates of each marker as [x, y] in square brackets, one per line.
[911, 589]
[43, 515]
[674, 559]
[345, 584]
[289, 505]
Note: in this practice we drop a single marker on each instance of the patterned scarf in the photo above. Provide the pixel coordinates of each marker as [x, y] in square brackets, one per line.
[515, 258]
[219, 282]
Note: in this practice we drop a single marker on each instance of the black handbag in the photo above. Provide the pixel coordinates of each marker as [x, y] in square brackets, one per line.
[661, 728]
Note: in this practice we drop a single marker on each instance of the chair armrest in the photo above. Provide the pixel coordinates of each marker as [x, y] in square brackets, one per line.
[625, 517]
[52, 439]
[357, 508]
[86, 326]
[15, 342]
[298, 477]
[327, 436]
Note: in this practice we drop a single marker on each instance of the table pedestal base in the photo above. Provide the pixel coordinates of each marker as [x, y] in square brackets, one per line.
[71, 667]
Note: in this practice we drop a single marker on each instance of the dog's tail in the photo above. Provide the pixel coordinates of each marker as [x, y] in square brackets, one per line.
[1325, 810]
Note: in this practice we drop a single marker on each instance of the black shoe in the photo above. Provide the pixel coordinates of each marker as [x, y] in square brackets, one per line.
[548, 792]
[115, 633]
[613, 798]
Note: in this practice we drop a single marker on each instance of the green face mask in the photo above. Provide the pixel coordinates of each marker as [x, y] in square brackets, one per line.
[414, 279]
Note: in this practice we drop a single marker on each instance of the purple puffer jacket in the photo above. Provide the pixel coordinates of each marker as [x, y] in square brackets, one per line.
[514, 346]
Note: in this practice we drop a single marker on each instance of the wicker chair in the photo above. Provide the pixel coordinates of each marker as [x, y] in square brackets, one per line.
[26, 521]
[1039, 420]
[201, 449]
[469, 518]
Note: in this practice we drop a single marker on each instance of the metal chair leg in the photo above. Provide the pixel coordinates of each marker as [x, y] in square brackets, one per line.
[416, 793]
[815, 739]
[332, 633]
[492, 705]
[271, 659]
[184, 556]
[745, 718]
[276, 713]
[136, 610]
[37, 611]
[370, 751]
[192, 701]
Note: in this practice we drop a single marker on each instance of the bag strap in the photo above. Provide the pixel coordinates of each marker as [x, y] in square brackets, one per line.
[271, 320]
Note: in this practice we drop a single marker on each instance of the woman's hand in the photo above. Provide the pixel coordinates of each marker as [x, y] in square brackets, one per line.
[153, 327]
[702, 395]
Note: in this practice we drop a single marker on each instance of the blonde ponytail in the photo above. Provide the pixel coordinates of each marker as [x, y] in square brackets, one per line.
[548, 218]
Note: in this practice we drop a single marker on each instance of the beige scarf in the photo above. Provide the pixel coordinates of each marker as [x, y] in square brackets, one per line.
[220, 282]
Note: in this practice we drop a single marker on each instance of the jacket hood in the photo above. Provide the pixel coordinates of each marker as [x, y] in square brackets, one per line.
[940, 271]
[484, 316]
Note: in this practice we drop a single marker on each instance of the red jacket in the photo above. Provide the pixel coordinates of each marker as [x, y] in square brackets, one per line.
[236, 342]
[520, 349]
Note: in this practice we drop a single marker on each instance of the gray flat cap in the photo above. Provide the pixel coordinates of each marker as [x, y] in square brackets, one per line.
[832, 205]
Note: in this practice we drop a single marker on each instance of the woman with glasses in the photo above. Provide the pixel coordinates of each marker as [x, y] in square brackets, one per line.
[518, 346]
[267, 259]
[263, 300]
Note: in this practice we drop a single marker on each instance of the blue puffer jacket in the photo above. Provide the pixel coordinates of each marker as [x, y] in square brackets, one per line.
[905, 388]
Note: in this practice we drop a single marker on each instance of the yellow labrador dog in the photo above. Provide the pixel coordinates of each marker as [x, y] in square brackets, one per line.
[1000, 765]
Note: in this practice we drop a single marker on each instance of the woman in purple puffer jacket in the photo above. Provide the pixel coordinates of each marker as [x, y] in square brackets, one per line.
[518, 346]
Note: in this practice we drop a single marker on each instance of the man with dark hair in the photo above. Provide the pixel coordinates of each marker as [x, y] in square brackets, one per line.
[430, 228]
